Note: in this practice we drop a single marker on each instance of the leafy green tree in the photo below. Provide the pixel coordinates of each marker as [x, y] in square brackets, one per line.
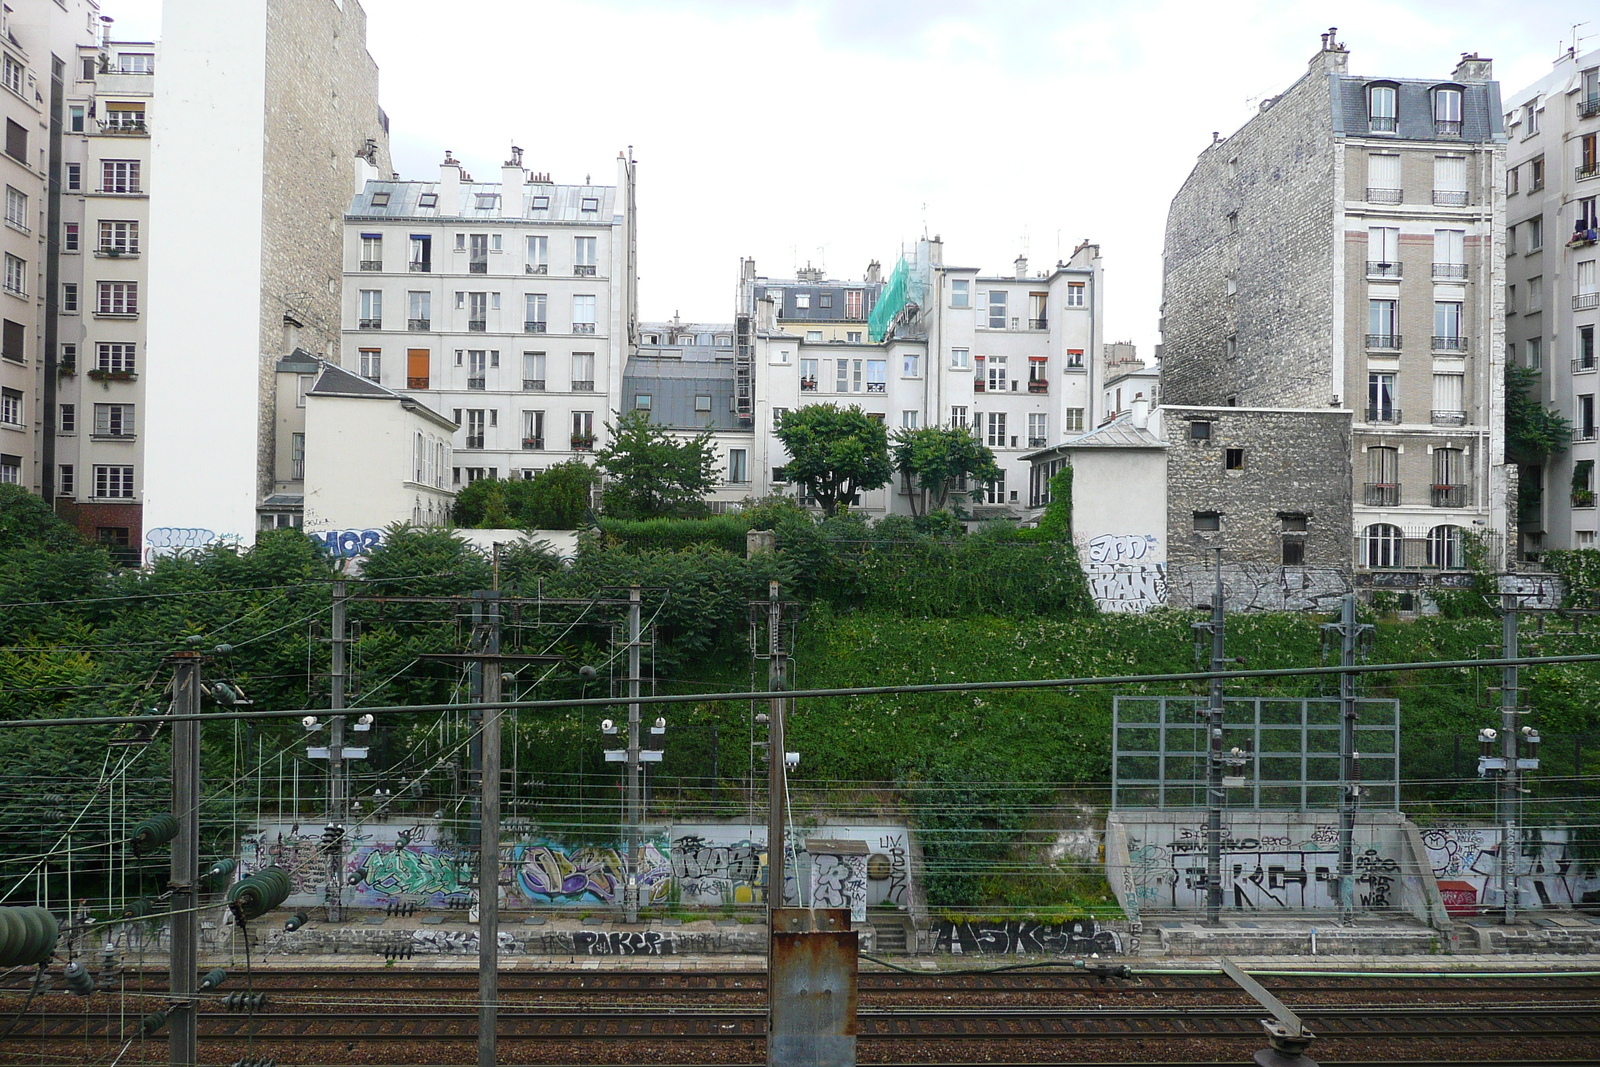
[651, 473]
[933, 460]
[482, 506]
[26, 519]
[558, 499]
[836, 452]
[1532, 430]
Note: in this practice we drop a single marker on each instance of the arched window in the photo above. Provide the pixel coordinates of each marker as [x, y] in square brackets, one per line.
[1381, 108]
[1444, 548]
[1380, 545]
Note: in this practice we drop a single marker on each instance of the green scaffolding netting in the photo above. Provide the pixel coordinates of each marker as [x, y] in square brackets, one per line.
[890, 301]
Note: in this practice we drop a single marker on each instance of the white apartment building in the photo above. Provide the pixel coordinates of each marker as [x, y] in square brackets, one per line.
[1552, 290]
[508, 307]
[1011, 356]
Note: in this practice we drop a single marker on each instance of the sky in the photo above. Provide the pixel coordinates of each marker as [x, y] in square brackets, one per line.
[837, 132]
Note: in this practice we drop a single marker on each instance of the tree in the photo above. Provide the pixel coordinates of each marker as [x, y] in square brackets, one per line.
[558, 499]
[26, 519]
[651, 473]
[933, 460]
[836, 452]
[1532, 431]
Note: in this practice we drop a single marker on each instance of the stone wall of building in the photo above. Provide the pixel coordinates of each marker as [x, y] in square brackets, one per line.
[321, 110]
[1293, 463]
[1249, 256]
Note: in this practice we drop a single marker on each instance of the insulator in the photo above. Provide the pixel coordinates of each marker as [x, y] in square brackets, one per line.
[152, 1023]
[217, 878]
[152, 832]
[255, 895]
[242, 1001]
[27, 936]
[78, 978]
[295, 921]
[142, 908]
[400, 907]
[214, 979]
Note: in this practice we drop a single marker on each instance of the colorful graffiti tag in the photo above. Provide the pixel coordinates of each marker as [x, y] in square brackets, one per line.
[548, 872]
[406, 871]
[1466, 864]
[1022, 937]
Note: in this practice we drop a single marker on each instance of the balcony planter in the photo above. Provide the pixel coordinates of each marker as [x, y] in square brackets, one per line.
[67, 370]
[533, 444]
[1038, 385]
[582, 442]
[111, 375]
[1583, 498]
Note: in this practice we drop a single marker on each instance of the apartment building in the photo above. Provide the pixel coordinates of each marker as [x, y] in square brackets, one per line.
[265, 114]
[1552, 301]
[100, 324]
[1345, 249]
[506, 306]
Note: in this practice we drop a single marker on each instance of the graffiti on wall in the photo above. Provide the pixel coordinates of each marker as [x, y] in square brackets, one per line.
[1123, 588]
[411, 872]
[840, 882]
[548, 872]
[1025, 937]
[164, 542]
[1259, 586]
[1466, 864]
[716, 873]
[346, 544]
[1115, 549]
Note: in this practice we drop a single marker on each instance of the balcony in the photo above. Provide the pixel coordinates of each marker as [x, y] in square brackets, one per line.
[533, 385]
[808, 385]
[583, 270]
[372, 264]
[1385, 341]
[1581, 364]
[477, 325]
[1449, 344]
[419, 325]
[474, 441]
[1380, 124]
[1583, 174]
[1036, 442]
[533, 444]
[1038, 324]
[1447, 127]
[1385, 196]
[417, 383]
[1583, 433]
[1450, 271]
[118, 251]
[1583, 498]
[1588, 107]
[978, 384]
[877, 387]
[1450, 496]
[1383, 414]
[536, 268]
[369, 324]
[583, 386]
[1448, 418]
[582, 442]
[421, 266]
[1382, 495]
[133, 129]
[478, 266]
[534, 327]
[1449, 198]
[1585, 301]
[583, 327]
[1379, 269]
[1038, 385]
[476, 385]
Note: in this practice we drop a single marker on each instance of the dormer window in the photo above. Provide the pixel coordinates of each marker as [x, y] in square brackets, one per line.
[1447, 111]
[380, 199]
[428, 200]
[1381, 108]
[541, 203]
[488, 201]
[591, 204]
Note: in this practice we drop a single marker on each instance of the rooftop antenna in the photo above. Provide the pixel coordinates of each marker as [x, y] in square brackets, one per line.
[822, 258]
[1579, 38]
[924, 220]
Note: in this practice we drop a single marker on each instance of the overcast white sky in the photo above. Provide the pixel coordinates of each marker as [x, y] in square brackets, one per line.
[836, 131]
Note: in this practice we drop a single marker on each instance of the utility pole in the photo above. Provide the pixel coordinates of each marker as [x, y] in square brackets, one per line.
[630, 891]
[489, 839]
[1510, 779]
[1215, 795]
[776, 755]
[1349, 759]
[185, 870]
[338, 793]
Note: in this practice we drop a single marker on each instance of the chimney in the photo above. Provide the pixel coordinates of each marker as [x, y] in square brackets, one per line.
[1473, 68]
[512, 177]
[936, 251]
[874, 272]
[1022, 266]
[766, 315]
[1141, 411]
[1332, 59]
[747, 269]
[449, 187]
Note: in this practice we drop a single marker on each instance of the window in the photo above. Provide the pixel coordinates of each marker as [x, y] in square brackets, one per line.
[1447, 112]
[1232, 220]
[1583, 483]
[372, 364]
[997, 429]
[1530, 117]
[960, 358]
[582, 430]
[824, 300]
[1381, 108]
[738, 466]
[590, 204]
[582, 314]
[486, 201]
[475, 430]
[960, 293]
[1535, 290]
[1380, 545]
[1380, 399]
[17, 276]
[1448, 478]
[1447, 326]
[853, 305]
[477, 312]
[1444, 548]
[113, 482]
[1075, 291]
[136, 63]
[533, 430]
[1450, 181]
[533, 313]
[1036, 429]
[371, 251]
[1382, 320]
[1450, 254]
[583, 372]
[13, 72]
[539, 254]
[1584, 428]
[583, 255]
[11, 407]
[1512, 180]
[119, 237]
[1072, 420]
[996, 366]
[1449, 399]
[802, 301]
[417, 361]
[478, 253]
[1383, 179]
[16, 208]
[1586, 277]
[908, 419]
[997, 309]
[1383, 251]
[119, 176]
[812, 336]
[69, 418]
[533, 371]
[910, 366]
[70, 235]
[1533, 233]
[127, 116]
[1199, 430]
[13, 337]
[114, 357]
[853, 336]
[419, 311]
[297, 456]
[113, 420]
[74, 177]
[958, 417]
[17, 142]
[67, 481]
[69, 298]
[1534, 346]
[1536, 174]
[1233, 459]
[1585, 356]
[1294, 540]
[995, 492]
[1207, 521]
[371, 309]
[380, 199]
[1587, 153]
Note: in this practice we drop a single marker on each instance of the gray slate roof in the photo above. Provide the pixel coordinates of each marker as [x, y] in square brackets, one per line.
[336, 381]
[565, 202]
[1481, 118]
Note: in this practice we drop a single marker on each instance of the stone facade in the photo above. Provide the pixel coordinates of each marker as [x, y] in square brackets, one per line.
[1274, 478]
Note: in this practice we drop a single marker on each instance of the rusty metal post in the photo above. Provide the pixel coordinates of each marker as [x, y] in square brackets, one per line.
[812, 988]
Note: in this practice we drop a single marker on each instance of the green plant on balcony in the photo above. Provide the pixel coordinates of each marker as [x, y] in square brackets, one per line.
[100, 375]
